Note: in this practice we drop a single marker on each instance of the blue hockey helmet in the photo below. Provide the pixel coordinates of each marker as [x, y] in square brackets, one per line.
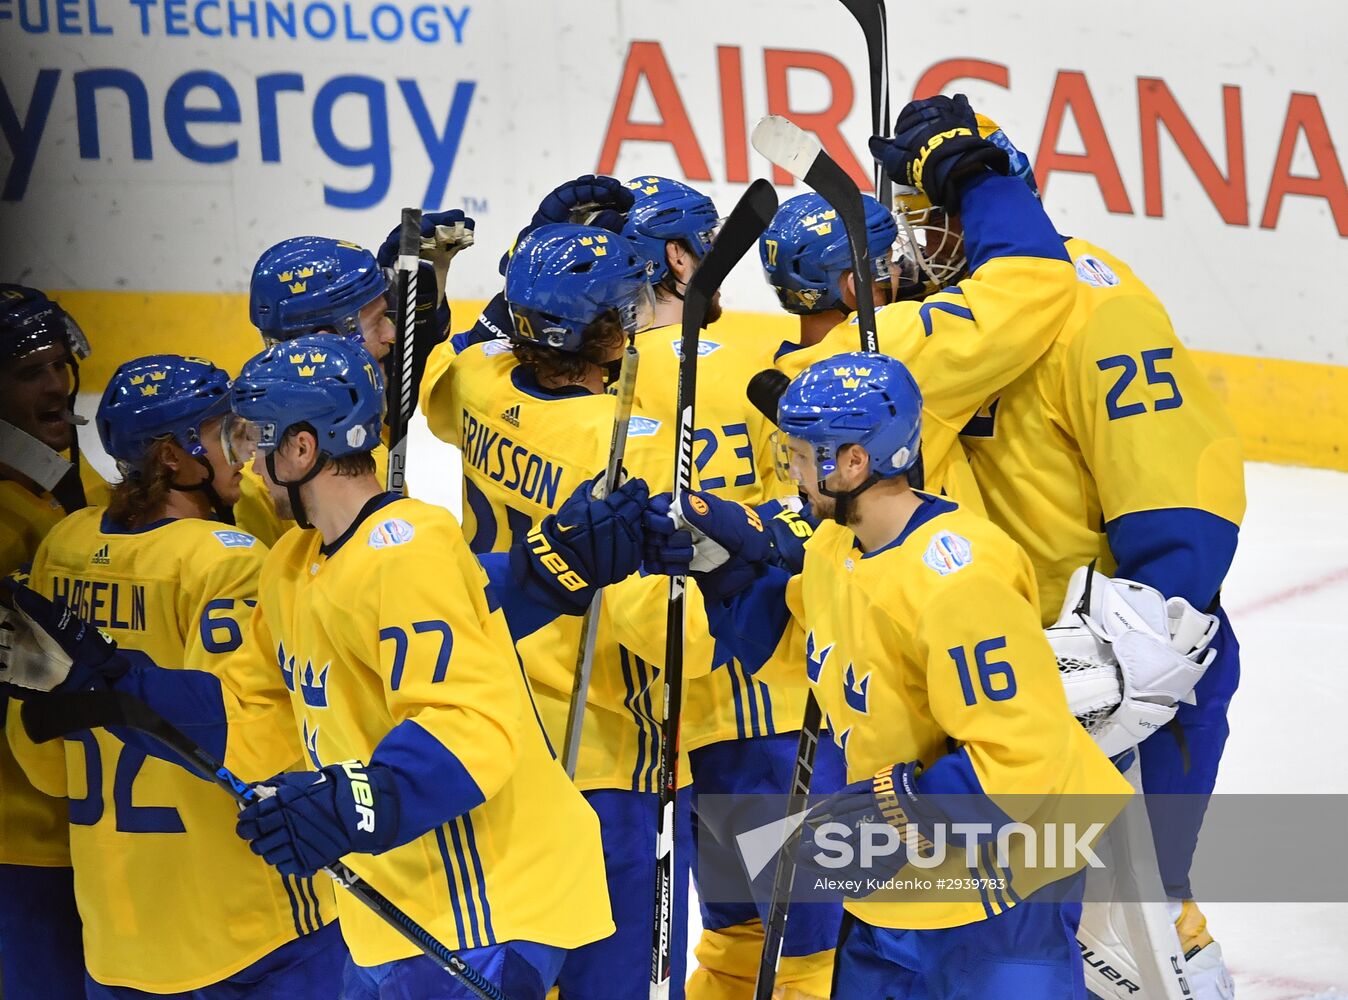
[667, 210]
[563, 277]
[313, 284]
[859, 398]
[156, 397]
[30, 321]
[805, 251]
[321, 379]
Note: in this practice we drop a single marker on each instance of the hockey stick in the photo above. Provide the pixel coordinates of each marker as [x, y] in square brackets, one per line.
[400, 414]
[870, 15]
[746, 223]
[799, 153]
[59, 715]
[589, 629]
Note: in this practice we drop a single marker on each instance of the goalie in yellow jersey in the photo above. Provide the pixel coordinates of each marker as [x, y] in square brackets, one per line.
[158, 871]
[377, 638]
[919, 628]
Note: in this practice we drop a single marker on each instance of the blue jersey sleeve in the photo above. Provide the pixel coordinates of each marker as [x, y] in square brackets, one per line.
[749, 627]
[1181, 551]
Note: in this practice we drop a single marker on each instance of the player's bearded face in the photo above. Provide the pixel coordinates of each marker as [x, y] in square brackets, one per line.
[226, 464]
[34, 391]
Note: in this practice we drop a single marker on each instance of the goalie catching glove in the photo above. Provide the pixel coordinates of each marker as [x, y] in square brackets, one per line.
[1127, 656]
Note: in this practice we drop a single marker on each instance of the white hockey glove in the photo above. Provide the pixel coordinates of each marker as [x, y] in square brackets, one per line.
[1127, 656]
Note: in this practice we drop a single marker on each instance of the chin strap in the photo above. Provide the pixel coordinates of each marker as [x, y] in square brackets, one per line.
[223, 511]
[293, 486]
[842, 499]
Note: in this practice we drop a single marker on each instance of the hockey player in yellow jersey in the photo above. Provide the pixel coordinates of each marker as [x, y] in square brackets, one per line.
[739, 730]
[159, 874]
[965, 339]
[921, 636]
[40, 349]
[304, 285]
[1113, 449]
[532, 419]
[377, 643]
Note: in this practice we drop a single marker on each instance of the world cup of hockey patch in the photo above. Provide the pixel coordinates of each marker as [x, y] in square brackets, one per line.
[235, 539]
[948, 553]
[704, 347]
[1095, 272]
[642, 427]
[395, 531]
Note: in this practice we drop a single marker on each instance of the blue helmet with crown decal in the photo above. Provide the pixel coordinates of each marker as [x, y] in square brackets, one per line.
[156, 397]
[322, 380]
[805, 251]
[563, 277]
[666, 210]
[859, 398]
[313, 284]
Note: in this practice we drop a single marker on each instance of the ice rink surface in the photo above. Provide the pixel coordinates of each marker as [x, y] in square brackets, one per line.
[1287, 596]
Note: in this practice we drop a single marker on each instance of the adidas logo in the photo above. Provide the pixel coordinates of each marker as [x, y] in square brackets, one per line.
[100, 558]
[512, 415]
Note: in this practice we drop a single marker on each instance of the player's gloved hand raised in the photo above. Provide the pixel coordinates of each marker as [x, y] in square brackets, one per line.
[936, 148]
[590, 199]
[588, 543]
[305, 820]
[451, 228]
[729, 545]
[44, 646]
[866, 830]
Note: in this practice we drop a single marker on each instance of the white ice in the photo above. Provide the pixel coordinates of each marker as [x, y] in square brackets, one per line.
[1287, 595]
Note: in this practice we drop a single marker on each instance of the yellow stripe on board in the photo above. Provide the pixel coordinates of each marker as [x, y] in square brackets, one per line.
[1290, 412]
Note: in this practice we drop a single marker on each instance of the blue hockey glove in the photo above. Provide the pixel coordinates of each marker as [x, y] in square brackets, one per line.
[587, 194]
[727, 538]
[937, 149]
[45, 646]
[865, 831]
[316, 817]
[587, 544]
[453, 220]
[591, 200]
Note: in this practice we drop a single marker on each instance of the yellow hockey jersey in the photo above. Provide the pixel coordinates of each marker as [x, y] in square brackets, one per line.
[171, 899]
[962, 344]
[732, 453]
[32, 825]
[524, 453]
[931, 645]
[1114, 419]
[392, 624]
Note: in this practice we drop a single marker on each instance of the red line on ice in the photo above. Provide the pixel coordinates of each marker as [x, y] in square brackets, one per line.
[1292, 593]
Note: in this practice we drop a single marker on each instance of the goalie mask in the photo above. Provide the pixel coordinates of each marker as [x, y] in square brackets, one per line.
[929, 252]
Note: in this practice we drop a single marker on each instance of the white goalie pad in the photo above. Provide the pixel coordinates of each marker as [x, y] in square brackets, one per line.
[1127, 656]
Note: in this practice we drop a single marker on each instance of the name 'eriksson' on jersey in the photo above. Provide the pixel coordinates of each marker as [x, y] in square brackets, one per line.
[509, 463]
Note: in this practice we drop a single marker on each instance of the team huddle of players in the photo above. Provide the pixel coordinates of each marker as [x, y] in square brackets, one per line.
[1032, 449]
